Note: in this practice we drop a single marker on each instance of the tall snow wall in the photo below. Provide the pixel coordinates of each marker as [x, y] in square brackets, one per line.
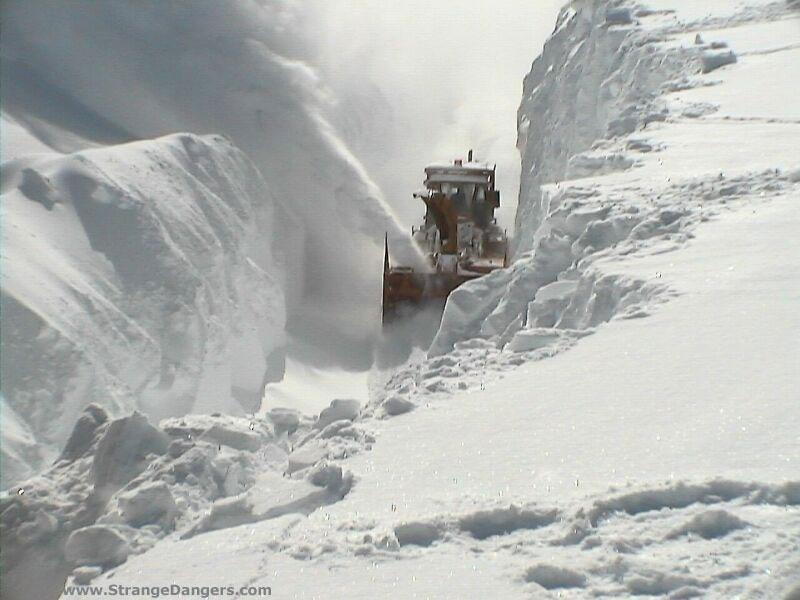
[129, 280]
[597, 78]
[112, 72]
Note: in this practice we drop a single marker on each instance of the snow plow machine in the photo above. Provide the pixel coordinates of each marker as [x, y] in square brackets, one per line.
[459, 237]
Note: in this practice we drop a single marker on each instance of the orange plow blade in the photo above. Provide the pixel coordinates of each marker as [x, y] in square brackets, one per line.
[406, 291]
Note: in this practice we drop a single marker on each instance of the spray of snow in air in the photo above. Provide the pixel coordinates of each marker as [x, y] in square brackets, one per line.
[418, 82]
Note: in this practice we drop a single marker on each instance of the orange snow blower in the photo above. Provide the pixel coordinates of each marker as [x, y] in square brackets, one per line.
[459, 236]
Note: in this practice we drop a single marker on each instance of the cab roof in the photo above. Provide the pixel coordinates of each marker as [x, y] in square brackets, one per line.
[466, 172]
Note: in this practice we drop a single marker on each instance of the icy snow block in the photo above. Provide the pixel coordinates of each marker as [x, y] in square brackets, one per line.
[227, 512]
[122, 451]
[338, 410]
[284, 419]
[149, 503]
[395, 405]
[305, 457]
[558, 290]
[82, 436]
[228, 434]
[325, 475]
[178, 448]
[96, 545]
[42, 526]
[712, 60]
[341, 428]
[531, 339]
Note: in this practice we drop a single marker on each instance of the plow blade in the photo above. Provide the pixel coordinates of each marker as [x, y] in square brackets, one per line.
[406, 291]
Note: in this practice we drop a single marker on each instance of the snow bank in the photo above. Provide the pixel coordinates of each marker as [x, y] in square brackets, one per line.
[121, 485]
[593, 106]
[561, 119]
[141, 276]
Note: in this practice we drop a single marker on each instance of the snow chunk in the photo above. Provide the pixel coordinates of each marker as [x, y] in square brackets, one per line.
[239, 438]
[40, 528]
[338, 410]
[123, 450]
[149, 503]
[657, 583]
[82, 436]
[531, 339]
[227, 512]
[558, 290]
[308, 455]
[284, 419]
[714, 59]
[710, 524]
[221, 430]
[325, 475]
[501, 521]
[397, 405]
[96, 545]
[552, 577]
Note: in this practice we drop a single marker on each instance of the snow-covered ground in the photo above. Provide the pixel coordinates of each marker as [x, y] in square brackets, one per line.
[614, 415]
